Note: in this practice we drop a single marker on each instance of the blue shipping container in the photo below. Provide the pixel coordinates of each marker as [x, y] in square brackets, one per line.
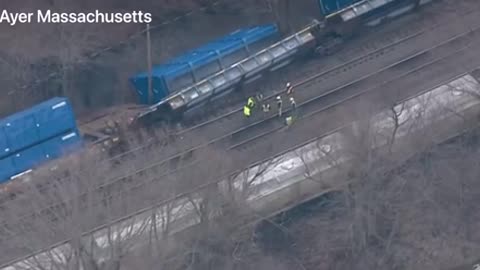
[28, 158]
[36, 124]
[202, 62]
[38, 154]
[7, 169]
[63, 144]
[3, 140]
[331, 6]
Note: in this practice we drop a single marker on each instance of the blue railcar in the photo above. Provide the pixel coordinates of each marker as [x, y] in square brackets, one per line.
[331, 6]
[202, 62]
[366, 10]
[249, 69]
[7, 169]
[63, 144]
[35, 125]
[339, 21]
[38, 154]
[27, 159]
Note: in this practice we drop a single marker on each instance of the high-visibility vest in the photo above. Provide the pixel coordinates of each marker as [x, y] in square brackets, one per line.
[289, 120]
[246, 111]
[250, 102]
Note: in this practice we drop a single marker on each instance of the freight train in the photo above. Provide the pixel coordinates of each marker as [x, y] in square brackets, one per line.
[222, 66]
[202, 75]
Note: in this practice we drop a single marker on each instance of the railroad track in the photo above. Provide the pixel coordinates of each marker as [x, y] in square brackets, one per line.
[311, 103]
[249, 139]
[226, 118]
[264, 125]
[205, 129]
[191, 144]
[196, 190]
[380, 78]
[423, 59]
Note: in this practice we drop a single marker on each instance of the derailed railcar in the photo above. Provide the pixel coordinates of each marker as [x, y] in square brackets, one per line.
[34, 125]
[245, 71]
[197, 64]
[349, 9]
[344, 17]
[37, 135]
[328, 7]
[36, 155]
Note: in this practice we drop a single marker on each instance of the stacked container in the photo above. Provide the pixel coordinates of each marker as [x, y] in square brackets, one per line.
[33, 136]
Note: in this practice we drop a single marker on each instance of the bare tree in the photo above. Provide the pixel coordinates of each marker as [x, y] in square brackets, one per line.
[281, 14]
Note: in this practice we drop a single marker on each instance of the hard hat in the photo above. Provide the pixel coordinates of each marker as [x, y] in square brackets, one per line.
[291, 99]
[288, 84]
[278, 98]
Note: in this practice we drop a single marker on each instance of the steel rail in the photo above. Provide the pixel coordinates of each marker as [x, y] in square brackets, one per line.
[226, 136]
[215, 182]
[306, 103]
[331, 71]
[324, 73]
[409, 58]
[344, 66]
[218, 180]
[355, 61]
[357, 94]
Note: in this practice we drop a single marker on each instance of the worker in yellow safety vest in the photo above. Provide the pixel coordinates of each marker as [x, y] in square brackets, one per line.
[251, 102]
[246, 111]
[289, 120]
